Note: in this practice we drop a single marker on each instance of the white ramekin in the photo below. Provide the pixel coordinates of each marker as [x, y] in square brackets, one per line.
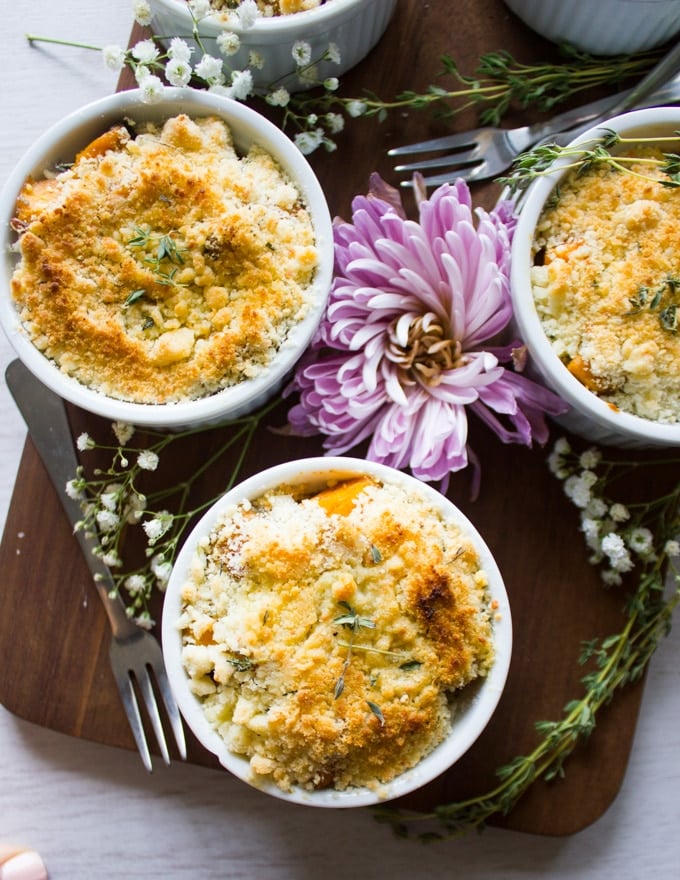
[473, 713]
[588, 415]
[354, 26]
[60, 144]
[604, 27]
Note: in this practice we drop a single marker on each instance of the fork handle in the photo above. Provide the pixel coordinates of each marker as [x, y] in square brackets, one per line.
[45, 416]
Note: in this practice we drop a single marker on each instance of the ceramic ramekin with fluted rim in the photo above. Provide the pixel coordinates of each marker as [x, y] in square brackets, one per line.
[59, 145]
[588, 415]
[605, 27]
[354, 26]
[474, 708]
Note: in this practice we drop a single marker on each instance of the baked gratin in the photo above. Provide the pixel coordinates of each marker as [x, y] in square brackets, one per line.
[607, 284]
[329, 636]
[162, 265]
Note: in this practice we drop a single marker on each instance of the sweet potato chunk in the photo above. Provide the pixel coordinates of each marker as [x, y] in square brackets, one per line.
[113, 139]
[580, 368]
[340, 499]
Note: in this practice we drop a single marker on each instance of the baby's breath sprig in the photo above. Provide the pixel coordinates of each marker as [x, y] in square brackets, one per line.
[639, 540]
[315, 116]
[114, 500]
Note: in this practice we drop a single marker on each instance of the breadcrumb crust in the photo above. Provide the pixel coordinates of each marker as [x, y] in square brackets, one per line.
[163, 266]
[610, 239]
[266, 634]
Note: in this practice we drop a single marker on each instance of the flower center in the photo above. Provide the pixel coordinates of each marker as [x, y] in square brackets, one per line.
[421, 348]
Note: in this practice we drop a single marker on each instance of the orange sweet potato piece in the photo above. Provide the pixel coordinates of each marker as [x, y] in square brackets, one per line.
[340, 499]
[113, 139]
[580, 368]
[35, 195]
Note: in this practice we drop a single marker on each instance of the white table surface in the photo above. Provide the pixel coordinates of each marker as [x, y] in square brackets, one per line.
[92, 811]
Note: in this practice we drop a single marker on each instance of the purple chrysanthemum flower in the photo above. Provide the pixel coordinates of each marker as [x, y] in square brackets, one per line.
[402, 352]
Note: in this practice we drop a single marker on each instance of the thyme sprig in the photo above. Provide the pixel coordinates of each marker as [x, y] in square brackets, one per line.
[640, 537]
[354, 622]
[164, 250]
[539, 161]
[661, 299]
[316, 116]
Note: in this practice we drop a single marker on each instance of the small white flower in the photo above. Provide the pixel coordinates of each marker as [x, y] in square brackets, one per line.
[142, 12]
[155, 528]
[591, 531]
[74, 489]
[152, 89]
[641, 541]
[596, 508]
[333, 53]
[123, 432]
[200, 8]
[616, 551]
[107, 520]
[141, 73]
[562, 446]
[248, 13]
[84, 442]
[109, 500]
[619, 512]
[588, 478]
[331, 83]
[136, 504]
[228, 43]
[161, 569]
[179, 50]
[308, 141]
[112, 559]
[241, 84]
[114, 58]
[590, 458]
[578, 490]
[144, 620]
[672, 548]
[209, 69]
[301, 52]
[279, 97]
[256, 60]
[312, 119]
[335, 122]
[356, 108]
[178, 72]
[145, 51]
[611, 578]
[557, 465]
[134, 584]
[147, 460]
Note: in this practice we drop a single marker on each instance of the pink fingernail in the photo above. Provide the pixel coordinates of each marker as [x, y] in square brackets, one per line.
[24, 866]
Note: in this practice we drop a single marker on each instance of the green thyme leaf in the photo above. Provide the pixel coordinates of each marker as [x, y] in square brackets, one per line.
[377, 711]
[134, 297]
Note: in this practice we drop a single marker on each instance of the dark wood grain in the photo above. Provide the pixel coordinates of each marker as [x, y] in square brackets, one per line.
[53, 633]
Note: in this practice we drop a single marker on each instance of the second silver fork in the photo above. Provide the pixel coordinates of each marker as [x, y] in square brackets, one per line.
[484, 153]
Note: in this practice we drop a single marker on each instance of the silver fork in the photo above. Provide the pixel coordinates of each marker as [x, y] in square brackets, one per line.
[483, 153]
[135, 655]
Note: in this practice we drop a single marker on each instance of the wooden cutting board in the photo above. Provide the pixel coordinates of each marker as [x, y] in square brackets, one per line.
[53, 632]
